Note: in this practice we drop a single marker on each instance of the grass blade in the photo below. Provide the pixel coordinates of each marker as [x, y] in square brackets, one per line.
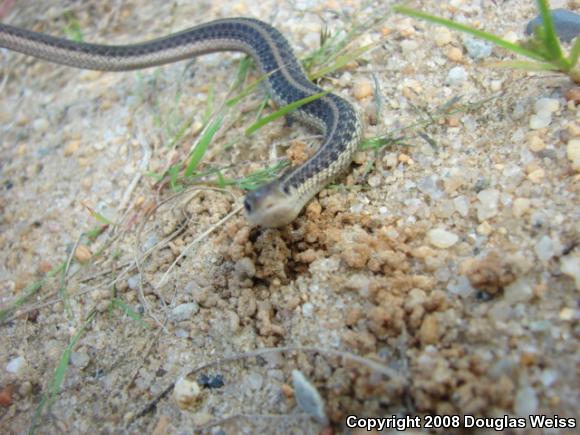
[466, 29]
[574, 53]
[283, 111]
[524, 65]
[549, 35]
[341, 61]
[202, 144]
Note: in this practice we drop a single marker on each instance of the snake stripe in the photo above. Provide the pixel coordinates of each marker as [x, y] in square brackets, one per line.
[276, 203]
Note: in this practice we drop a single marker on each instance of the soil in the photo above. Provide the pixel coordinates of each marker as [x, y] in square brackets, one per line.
[440, 276]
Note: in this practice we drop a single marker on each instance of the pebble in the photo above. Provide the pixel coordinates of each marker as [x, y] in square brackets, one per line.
[183, 312]
[83, 254]
[308, 397]
[455, 54]
[566, 23]
[79, 359]
[526, 402]
[15, 365]
[536, 144]
[430, 330]
[409, 46]
[362, 88]
[41, 125]
[511, 36]
[456, 76]
[72, 147]
[441, 36]
[570, 265]
[537, 176]
[545, 248]
[520, 207]
[186, 393]
[245, 267]
[477, 49]
[441, 238]
[539, 121]
[573, 95]
[547, 105]
[518, 291]
[461, 204]
[462, 287]
[133, 282]
[487, 207]
[573, 153]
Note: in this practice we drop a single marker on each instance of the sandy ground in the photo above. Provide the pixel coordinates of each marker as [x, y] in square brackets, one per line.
[449, 262]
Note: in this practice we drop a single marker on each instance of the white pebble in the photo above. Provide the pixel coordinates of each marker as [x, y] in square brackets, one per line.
[15, 365]
[461, 204]
[41, 125]
[487, 208]
[462, 288]
[456, 76]
[186, 393]
[183, 312]
[409, 46]
[518, 291]
[80, 359]
[441, 238]
[442, 36]
[540, 120]
[544, 249]
[546, 105]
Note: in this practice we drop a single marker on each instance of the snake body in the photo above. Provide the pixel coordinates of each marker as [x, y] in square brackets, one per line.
[278, 202]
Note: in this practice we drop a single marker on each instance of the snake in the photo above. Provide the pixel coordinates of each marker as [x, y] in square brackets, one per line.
[275, 203]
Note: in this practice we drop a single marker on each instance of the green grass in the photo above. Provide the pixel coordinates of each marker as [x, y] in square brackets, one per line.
[543, 48]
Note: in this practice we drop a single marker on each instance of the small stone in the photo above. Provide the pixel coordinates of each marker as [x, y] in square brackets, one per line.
[520, 207]
[79, 359]
[461, 204]
[511, 36]
[83, 254]
[573, 95]
[362, 88]
[183, 312]
[134, 281]
[495, 85]
[487, 208]
[566, 314]
[526, 402]
[573, 153]
[41, 125]
[441, 238]
[245, 267]
[484, 228]
[15, 365]
[186, 393]
[518, 291]
[455, 54]
[308, 397]
[546, 105]
[545, 248]
[537, 176]
[539, 121]
[6, 396]
[536, 144]
[442, 36]
[456, 76]
[570, 265]
[72, 147]
[409, 46]
[477, 48]
[462, 287]
[430, 330]
[566, 24]
[573, 129]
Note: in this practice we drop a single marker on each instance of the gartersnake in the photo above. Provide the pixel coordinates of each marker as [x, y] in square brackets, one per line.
[273, 204]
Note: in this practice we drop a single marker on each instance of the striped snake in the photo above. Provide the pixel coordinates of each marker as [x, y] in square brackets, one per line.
[275, 203]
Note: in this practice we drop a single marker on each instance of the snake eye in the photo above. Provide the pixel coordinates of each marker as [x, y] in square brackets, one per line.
[247, 206]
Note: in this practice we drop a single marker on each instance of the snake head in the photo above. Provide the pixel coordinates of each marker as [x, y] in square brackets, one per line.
[270, 206]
